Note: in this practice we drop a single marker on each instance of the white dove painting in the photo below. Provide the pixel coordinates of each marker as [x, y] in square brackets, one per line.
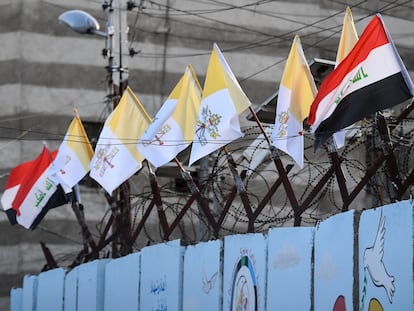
[385, 265]
[374, 264]
[202, 277]
[208, 283]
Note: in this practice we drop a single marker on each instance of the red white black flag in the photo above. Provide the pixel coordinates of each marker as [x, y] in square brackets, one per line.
[30, 192]
[16, 177]
[371, 78]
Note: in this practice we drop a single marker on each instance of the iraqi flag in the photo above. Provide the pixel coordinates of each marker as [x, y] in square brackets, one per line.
[371, 78]
[16, 177]
[30, 191]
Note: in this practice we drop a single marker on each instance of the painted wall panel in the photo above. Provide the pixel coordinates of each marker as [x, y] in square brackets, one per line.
[202, 277]
[334, 257]
[50, 290]
[91, 285]
[70, 302]
[161, 277]
[16, 295]
[386, 258]
[255, 272]
[122, 283]
[289, 268]
[29, 292]
[244, 272]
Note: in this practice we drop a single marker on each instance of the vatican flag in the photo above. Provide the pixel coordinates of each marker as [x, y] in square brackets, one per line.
[349, 37]
[296, 92]
[116, 158]
[172, 129]
[74, 155]
[222, 101]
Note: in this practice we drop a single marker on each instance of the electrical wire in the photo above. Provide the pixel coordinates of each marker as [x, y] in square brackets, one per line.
[238, 211]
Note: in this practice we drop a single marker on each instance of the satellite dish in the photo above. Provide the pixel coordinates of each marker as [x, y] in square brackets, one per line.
[81, 22]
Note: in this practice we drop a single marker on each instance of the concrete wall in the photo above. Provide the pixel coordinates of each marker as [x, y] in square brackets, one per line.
[347, 262]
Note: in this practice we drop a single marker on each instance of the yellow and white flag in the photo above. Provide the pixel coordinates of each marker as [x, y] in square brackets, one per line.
[349, 37]
[172, 129]
[296, 92]
[222, 101]
[116, 158]
[74, 155]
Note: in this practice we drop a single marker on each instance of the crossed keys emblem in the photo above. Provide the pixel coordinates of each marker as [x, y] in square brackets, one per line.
[283, 123]
[104, 159]
[209, 121]
[157, 138]
[67, 160]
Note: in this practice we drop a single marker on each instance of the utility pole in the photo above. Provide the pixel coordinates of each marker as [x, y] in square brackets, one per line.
[116, 45]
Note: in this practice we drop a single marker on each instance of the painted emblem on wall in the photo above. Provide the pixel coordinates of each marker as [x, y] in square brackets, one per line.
[244, 286]
[208, 283]
[375, 266]
[340, 304]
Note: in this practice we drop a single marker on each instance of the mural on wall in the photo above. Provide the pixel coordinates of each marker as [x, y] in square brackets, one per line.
[339, 304]
[208, 283]
[289, 258]
[374, 264]
[161, 277]
[244, 286]
[251, 271]
[383, 233]
[244, 272]
[334, 263]
[202, 277]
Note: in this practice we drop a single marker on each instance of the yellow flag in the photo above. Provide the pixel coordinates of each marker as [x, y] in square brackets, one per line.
[116, 157]
[75, 153]
[222, 101]
[172, 129]
[349, 36]
[296, 92]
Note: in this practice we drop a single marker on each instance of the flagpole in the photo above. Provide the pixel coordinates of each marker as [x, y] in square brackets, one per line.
[240, 188]
[116, 86]
[336, 163]
[77, 208]
[196, 191]
[282, 172]
[388, 150]
[157, 197]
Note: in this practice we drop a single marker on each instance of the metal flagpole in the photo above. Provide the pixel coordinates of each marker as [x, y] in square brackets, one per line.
[282, 172]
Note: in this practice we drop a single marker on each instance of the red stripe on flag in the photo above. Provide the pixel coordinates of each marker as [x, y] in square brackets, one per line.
[18, 174]
[39, 165]
[373, 37]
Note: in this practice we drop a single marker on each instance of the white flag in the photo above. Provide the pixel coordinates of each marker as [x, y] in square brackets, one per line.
[172, 129]
[222, 101]
[116, 158]
[74, 155]
[296, 92]
[349, 37]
